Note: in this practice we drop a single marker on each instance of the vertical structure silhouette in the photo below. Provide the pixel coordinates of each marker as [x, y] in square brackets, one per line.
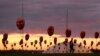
[96, 36]
[50, 32]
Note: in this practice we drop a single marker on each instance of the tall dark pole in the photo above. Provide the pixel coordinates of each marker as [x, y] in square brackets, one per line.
[20, 21]
[22, 9]
[68, 31]
[67, 19]
[22, 6]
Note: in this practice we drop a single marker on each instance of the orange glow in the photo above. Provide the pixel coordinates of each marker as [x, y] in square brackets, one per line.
[15, 38]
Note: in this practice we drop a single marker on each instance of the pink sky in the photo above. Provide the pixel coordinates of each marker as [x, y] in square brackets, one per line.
[39, 14]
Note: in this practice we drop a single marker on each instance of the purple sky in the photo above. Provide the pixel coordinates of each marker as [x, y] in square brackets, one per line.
[39, 14]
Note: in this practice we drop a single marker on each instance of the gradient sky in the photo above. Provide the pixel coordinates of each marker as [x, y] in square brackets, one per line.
[39, 14]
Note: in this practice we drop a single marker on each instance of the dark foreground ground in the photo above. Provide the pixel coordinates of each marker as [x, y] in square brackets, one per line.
[38, 53]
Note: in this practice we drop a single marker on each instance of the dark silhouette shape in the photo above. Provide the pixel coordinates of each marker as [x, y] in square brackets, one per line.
[5, 37]
[31, 43]
[84, 42]
[98, 43]
[4, 44]
[14, 44]
[65, 42]
[21, 43]
[50, 30]
[22, 47]
[4, 40]
[12, 47]
[41, 40]
[75, 41]
[27, 37]
[25, 44]
[47, 46]
[92, 43]
[96, 36]
[71, 46]
[58, 44]
[36, 48]
[35, 42]
[80, 45]
[82, 34]
[55, 40]
[68, 32]
[88, 47]
[50, 43]
[45, 41]
[20, 23]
